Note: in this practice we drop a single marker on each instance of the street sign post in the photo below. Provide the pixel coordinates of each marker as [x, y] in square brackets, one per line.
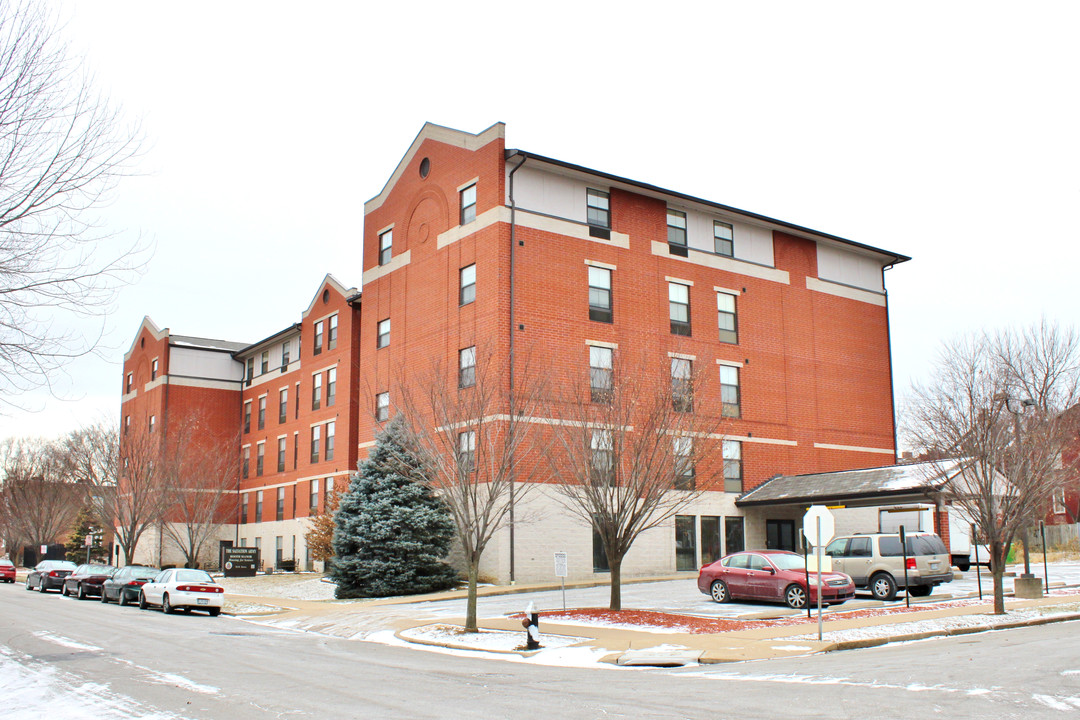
[818, 529]
[560, 572]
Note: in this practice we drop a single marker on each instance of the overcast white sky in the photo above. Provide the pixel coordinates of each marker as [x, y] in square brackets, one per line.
[949, 132]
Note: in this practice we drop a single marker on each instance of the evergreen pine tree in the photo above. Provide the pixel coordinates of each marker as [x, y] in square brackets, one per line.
[391, 532]
[85, 522]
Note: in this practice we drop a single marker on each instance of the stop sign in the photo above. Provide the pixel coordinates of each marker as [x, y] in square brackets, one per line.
[810, 525]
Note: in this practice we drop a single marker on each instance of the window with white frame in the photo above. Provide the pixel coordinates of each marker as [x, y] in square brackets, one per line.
[466, 455]
[679, 308]
[468, 204]
[247, 416]
[726, 317]
[602, 465]
[383, 334]
[260, 459]
[601, 374]
[329, 449]
[676, 232]
[598, 208]
[317, 347]
[600, 294]
[280, 509]
[733, 474]
[264, 362]
[245, 466]
[281, 454]
[130, 382]
[285, 354]
[244, 509]
[153, 422]
[386, 246]
[683, 449]
[258, 510]
[331, 332]
[382, 406]
[313, 497]
[316, 391]
[283, 405]
[316, 442]
[1059, 501]
[331, 386]
[467, 286]
[682, 387]
[262, 412]
[467, 367]
[723, 238]
[729, 391]
[153, 369]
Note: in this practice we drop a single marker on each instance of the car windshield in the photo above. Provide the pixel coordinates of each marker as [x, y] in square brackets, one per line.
[787, 562]
[192, 576]
[98, 569]
[7, 563]
[144, 572]
[58, 565]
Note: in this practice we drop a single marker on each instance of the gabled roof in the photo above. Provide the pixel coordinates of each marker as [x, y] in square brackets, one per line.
[329, 279]
[155, 332]
[431, 131]
[878, 485]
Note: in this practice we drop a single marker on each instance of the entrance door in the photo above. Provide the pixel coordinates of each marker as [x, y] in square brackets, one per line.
[734, 538]
[780, 535]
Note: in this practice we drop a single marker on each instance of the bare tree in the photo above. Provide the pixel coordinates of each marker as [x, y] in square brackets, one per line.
[126, 483]
[478, 441]
[1002, 407]
[62, 149]
[633, 445]
[199, 473]
[38, 500]
[320, 534]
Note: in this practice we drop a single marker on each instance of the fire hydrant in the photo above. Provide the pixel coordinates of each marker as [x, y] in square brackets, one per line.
[531, 623]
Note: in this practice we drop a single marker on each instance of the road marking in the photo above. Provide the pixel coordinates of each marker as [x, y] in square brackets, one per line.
[65, 642]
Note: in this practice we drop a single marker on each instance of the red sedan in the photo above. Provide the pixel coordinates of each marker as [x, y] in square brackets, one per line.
[773, 576]
[86, 580]
[7, 570]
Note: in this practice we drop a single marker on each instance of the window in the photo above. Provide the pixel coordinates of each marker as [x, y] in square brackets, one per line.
[262, 412]
[316, 436]
[153, 422]
[710, 539]
[260, 457]
[245, 468]
[130, 381]
[676, 232]
[685, 542]
[600, 294]
[602, 468]
[383, 335]
[1059, 501]
[329, 452]
[244, 508]
[328, 492]
[153, 369]
[682, 388]
[726, 318]
[734, 535]
[280, 504]
[318, 337]
[733, 479]
[601, 374]
[468, 204]
[313, 497]
[283, 405]
[258, 510]
[382, 406]
[729, 391]
[247, 416]
[599, 208]
[285, 354]
[316, 391]
[466, 455]
[386, 244]
[281, 455]
[683, 448]
[331, 333]
[127, 424]
[724, 238]
[467, 293]
[264, 362]
[467, 367]
[679, 308]
[331, 386]
[599, 556]
[250, 369]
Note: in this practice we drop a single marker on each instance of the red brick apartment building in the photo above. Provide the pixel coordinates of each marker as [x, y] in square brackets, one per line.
[284, 407]
[472, 250]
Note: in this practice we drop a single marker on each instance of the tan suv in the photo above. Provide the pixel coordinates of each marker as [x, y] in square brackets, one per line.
[876, 562]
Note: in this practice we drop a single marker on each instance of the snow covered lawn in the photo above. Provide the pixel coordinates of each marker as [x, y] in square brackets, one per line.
[489, 640]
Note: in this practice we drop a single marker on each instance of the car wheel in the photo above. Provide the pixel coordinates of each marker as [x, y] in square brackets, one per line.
[28, 584]
[104, 598]
[121, 598]
[921, 590]
[719, 592]
[82, 592]
[63, 589]
[963, 566]
[165, 606]
[142, 601]
[883, 587]
[795, 596]
[214, 612]
[41, 587]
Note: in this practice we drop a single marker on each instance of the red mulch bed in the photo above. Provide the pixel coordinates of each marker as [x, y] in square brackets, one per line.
[647, 619]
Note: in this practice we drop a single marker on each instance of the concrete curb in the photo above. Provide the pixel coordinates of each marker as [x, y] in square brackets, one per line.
[459, 646]
[876, 642]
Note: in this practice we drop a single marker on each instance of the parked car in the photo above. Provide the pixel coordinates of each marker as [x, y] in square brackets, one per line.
[773, 576]
[875, 561]
[86, 580]
[7, 570]
[49, 575]
[183, 588]
[124, 585]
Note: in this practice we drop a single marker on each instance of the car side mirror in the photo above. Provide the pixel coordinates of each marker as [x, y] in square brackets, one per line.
[772, 570]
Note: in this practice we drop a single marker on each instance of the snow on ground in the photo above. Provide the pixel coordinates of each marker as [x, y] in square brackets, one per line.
[492, 640]
[573, 657]
[250, 608]
[292, 586]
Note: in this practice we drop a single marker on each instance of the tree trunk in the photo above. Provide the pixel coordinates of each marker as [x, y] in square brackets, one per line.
[616, 583]
[997, 570]
[470, 611]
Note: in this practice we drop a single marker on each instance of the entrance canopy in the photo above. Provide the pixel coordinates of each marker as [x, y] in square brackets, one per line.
[889, 485]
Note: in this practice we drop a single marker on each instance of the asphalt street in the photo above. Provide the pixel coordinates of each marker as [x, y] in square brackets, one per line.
[101, 661]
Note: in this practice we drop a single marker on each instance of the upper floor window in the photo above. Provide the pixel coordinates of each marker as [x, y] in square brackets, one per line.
[247, 416]
[726, 317]
[285, 354]
[127, 423]
[280, 509]
[250, 369]
[331, 332]
[382, 337]
[153, 422]
[468, 204]
[602, 470]
[153, 369]
[683, 449]
[264, 365]
[600, 294]
[679, 308]
[382, 406]
[130, 382]
[467, 292]
[313, 497]
[283, 405]
[316, 391]
[318, 337]
[329, 454]
[682, 388]
[258, 512]
[260, 459]
[245, 466]
[733, 473]
[601, 374]
[676, 232]
[467, 367]
[262, 412]
[466, 455]
[729, 391]
[316, 441]
[281, 454]
[599, 208]
[386, 244]
[331, 386]
[724, 237]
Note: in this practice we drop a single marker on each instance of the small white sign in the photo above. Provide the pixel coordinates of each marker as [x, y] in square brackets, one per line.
[560, 564]
[809, 527]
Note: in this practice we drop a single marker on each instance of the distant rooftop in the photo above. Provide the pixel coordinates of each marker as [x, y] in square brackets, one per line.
[206, 343]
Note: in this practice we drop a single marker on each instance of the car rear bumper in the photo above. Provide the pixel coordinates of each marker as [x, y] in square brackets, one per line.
[185, 599]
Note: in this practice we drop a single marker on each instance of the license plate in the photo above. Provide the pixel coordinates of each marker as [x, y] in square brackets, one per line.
[203, 601]
[934, 566]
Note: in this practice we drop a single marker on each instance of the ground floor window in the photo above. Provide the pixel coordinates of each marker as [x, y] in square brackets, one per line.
[599, 557]
[710, 539]
[734, 535]
[685, 542]
[780, 535]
